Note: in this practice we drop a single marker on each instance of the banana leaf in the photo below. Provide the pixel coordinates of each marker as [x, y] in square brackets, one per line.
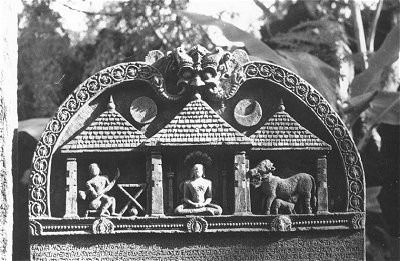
[384, 108]
[386, 55]
[255, 46]
[320, 75]
[33, 127]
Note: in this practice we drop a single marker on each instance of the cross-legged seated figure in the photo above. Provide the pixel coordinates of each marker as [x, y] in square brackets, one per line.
[197, 195]
[98, 186]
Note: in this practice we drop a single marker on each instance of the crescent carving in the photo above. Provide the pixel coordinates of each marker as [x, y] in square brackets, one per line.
[248, 112]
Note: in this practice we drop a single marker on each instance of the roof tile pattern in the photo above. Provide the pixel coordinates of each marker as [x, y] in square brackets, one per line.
[282, 132]
[198, 124]
[109, 132]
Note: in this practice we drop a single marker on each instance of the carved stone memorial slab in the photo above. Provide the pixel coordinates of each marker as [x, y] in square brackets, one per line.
[196, 155]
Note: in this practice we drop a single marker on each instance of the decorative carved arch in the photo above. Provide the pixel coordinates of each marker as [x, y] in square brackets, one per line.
[329, 118]
[39, 189]
[39, 196]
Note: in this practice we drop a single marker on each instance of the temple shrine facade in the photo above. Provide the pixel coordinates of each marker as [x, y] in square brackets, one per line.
[191, 153]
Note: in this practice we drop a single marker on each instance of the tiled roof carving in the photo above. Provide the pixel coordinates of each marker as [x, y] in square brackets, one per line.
[109, 132]
[282, 132]
[198, 124]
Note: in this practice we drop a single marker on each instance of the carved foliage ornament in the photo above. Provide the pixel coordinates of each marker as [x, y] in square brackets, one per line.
[358, 221]
[103, 226]
[35, 228]
[215, 75]
[197, 225]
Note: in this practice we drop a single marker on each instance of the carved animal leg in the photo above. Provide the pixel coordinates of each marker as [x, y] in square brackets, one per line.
[275, 207]
[268, 204]
[307, 200]
[263, 207]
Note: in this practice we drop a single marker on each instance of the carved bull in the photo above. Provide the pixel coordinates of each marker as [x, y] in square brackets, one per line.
[301, 185]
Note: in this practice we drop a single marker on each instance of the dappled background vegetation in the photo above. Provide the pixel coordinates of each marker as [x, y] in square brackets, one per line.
[348, 50]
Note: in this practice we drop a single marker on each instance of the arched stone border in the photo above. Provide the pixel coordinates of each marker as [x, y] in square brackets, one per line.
[321, 108]
[39, 196]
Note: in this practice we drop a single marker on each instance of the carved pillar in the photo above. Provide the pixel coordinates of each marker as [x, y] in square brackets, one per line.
[155, 202]
[170, 176]
[248, 186]
[322, 185]
[224, 175]
[71, 190]
[241, 188]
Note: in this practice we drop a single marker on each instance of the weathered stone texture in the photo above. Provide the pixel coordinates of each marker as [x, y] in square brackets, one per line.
[329, 245]
[8, 120]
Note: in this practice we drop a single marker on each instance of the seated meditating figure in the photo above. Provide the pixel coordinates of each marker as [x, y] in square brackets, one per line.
[197, 195]
[97, 187]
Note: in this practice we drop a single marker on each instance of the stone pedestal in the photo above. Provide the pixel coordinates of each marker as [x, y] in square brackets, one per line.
[322, 185]
[71, 190]
[242, 191]
[155, 201]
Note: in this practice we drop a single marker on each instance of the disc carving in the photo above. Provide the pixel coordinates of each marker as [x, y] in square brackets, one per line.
[248, 112]
[143, 110]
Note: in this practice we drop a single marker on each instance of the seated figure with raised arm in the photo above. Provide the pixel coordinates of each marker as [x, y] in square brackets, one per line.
[197, 193]
[97, 187]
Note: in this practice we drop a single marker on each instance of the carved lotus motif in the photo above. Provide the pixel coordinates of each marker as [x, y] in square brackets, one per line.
[197, 225]
[103, 226]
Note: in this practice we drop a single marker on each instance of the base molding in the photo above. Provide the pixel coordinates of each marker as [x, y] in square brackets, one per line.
[295, 245]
